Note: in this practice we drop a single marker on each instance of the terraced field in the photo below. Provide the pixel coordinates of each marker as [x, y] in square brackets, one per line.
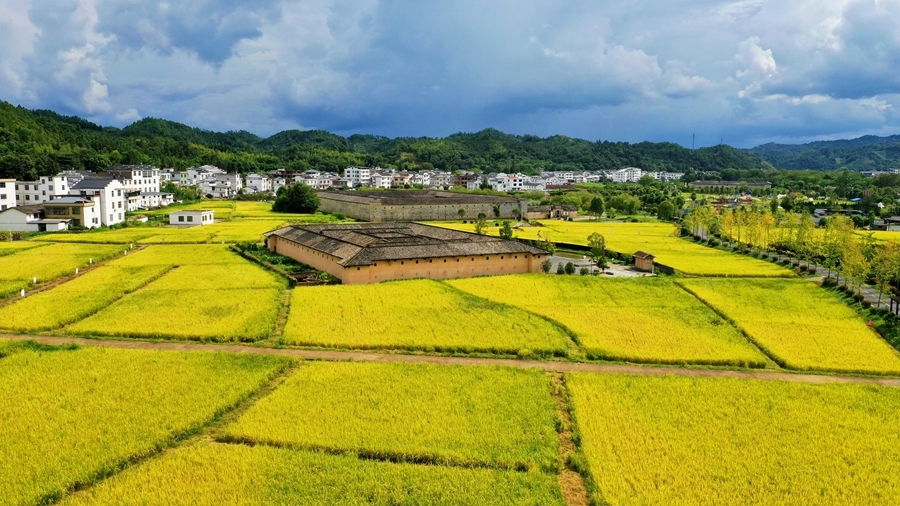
[710, 441]
[640, 320]
[418, 315]
[73, 416]
[800, 325]
[659, 239]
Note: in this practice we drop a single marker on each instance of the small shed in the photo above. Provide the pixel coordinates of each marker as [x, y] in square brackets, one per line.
[643, 261]
[191, 217]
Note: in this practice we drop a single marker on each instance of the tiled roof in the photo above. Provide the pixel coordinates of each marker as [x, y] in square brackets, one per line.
[357, 244]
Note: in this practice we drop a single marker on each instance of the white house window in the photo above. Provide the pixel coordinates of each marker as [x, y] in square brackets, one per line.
[190, 218]
[181, 218]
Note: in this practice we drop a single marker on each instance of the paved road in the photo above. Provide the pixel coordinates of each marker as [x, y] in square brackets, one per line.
[564, 367]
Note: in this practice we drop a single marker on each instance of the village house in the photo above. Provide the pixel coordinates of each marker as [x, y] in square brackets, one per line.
[29, 218]
[191, 217]
[361, 253]
[7, 194]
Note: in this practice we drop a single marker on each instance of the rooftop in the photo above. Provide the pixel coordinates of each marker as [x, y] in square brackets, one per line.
[357, 244]
[69, 200]
[29, 209]
[407, 197]
[92, 184]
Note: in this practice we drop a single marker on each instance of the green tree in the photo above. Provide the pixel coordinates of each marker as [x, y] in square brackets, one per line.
[517, 213]
[560, 268]
[298, 198]
[496, 210]
[506, 231]
[461, 212]
[570, 268]
[546, 265]
[665, 211]
[597, 243]
[597, 207]
[481, 224]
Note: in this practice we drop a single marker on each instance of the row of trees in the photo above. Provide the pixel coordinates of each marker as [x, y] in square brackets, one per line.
[835, 244]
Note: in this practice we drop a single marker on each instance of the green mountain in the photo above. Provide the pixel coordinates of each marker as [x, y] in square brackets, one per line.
[35, 143]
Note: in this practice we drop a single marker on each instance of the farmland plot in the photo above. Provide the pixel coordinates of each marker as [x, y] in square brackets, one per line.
[419, 413]
[8, 248]
[800, 325]
[417, 314]
[77, 298]
[638, 319]
[213, 294]
[71, 416]
[48, 263]
[215, 474]
[711, 441]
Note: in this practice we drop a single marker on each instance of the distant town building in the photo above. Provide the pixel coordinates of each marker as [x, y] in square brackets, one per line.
[30, 218]
[38, 192]
[7, 194]
[361, 253]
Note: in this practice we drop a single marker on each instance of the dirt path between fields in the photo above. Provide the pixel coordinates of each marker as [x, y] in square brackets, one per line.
[563, 367]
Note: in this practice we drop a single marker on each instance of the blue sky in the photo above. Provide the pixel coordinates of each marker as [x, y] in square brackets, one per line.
[747, 72]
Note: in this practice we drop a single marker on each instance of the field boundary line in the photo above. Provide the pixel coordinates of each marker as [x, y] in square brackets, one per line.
[203, 430]
[574, 476]
[552, 366]
[58, 281]
[573, 336]
[759, 346]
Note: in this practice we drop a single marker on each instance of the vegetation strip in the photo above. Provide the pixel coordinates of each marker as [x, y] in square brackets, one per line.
[553, 366]
[571, 478]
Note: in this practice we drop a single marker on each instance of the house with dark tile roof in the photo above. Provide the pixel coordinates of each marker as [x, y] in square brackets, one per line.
[360, 253]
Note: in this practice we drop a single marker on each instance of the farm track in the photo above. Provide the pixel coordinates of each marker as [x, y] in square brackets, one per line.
[560, 367]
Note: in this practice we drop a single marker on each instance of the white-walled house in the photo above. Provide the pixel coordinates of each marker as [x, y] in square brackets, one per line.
[78, 211]
[191, 217]
[258, 183]
[135, 178]
[7, 194]
[38, 192]
[30, 218]
[108, 193]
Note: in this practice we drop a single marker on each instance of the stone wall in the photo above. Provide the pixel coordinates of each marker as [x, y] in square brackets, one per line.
[375, 212]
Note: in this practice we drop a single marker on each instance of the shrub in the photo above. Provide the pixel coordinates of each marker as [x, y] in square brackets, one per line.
[570, 268]
[584, 271]
[560, 269]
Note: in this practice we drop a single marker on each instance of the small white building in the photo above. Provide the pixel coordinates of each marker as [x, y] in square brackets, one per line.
[30, 218]
[258, 183]
[191, 217]
[7, 194]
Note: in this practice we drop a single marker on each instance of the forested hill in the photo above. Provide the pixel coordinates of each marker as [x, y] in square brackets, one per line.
[863, 153]
[34, 143]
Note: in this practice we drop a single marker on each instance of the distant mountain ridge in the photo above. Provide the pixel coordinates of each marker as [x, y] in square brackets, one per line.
[864, 153]
[41, 142]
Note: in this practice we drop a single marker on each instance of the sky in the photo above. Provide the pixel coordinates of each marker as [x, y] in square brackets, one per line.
[742, 73]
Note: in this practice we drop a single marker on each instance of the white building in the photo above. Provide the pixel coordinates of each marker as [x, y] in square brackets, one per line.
[258, 183]
[626, 175]
[222, 185]
[191, 217]
[7, 194]
[508, 182]
[665, 176]
[37, 192]
[108, 193]
[194, 175]
[382, 180]
[29, 218]
[359, 176]
[135, 178]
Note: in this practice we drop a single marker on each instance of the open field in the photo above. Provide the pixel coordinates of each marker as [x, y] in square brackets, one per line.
[8, 248]
[73, 416]
[658, 239]
[416, 314]
[118, 236]
[215, 474]
[667, 440]
[800, 325]
[76, 299]
[640, 319]
[221, 208]
[212, 294]
[47, 263]
[417, 413]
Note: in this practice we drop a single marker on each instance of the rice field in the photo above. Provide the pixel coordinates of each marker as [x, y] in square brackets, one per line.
[8, 247]
[215, 474]
[222, 208]
[118, 236]
[212, 294]
[415, 314]
[636, 319]
[711, 441]
[419, 413]
[48, 263]
[800, 325]
[659, 239]
[76, 299]
[73, 416]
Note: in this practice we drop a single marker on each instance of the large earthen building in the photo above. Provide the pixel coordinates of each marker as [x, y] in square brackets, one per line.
[418, 205]
[360, 253]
